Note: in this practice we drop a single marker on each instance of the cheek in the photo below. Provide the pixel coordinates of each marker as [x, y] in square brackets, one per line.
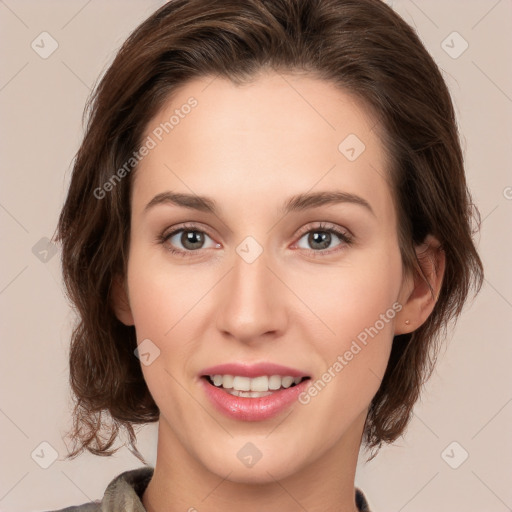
[161, 296]
[354, 358]
[161, 305]
[352, 296]
[355, 306]
[168, 304]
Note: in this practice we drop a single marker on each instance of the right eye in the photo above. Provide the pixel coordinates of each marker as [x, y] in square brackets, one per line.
[190, 237]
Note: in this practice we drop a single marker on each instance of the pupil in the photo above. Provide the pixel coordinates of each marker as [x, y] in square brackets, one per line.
[324, 239]
[192, 237]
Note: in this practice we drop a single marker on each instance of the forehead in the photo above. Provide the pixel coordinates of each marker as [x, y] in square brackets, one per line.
[277, 136]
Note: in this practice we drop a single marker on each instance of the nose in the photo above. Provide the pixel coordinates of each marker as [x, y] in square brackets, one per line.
[252, 302]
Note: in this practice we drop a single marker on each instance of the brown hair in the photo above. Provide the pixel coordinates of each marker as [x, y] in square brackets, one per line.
[362, 46]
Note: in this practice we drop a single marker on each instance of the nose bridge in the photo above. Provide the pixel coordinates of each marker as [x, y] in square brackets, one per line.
[252, 301]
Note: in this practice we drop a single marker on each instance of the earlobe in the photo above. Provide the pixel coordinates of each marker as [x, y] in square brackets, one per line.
[419, 298]
[119, 302]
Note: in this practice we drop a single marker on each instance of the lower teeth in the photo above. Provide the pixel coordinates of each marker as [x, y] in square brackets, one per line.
[249, 394]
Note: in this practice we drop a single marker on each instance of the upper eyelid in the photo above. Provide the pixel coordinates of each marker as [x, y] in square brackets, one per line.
[185, 227]
[325, 225]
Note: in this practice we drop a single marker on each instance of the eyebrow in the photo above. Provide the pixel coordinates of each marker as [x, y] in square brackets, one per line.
[298, 202]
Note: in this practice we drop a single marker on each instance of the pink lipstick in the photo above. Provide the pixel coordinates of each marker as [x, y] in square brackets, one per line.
[252, 392]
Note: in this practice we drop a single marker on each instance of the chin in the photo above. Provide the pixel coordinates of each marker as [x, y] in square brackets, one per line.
[252, 465]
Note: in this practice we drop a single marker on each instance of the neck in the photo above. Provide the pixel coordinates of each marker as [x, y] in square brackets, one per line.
[326, 484]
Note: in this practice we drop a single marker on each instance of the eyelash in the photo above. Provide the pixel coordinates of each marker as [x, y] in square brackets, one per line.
[322, 227]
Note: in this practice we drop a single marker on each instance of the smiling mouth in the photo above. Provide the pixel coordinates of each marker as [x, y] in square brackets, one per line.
[255, 387]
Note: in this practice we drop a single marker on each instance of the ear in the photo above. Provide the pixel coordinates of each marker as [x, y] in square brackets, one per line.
[120, 302]
[417, 299]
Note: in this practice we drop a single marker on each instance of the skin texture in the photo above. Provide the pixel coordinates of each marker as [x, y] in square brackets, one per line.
[250, 148]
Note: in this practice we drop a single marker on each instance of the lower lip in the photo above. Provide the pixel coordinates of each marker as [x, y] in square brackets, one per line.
[253, 409]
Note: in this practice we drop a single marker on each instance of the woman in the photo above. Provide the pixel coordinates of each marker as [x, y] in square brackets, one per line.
[266, 233]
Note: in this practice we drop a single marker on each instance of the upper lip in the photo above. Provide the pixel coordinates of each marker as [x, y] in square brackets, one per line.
[252, 370]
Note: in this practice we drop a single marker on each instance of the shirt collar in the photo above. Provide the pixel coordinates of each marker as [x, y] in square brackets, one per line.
[126, 490]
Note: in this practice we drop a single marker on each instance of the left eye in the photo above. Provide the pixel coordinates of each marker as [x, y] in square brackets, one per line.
[320, 238]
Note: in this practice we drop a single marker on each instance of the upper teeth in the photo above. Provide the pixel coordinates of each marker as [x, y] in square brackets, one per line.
[262, 383]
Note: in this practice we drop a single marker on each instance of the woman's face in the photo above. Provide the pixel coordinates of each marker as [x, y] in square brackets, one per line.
[261, 279]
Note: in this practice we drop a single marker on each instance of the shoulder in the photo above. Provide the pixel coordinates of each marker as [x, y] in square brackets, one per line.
[92, 506]
[124, 492]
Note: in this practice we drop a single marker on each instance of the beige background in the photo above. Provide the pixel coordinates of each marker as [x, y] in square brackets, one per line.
[467, 401]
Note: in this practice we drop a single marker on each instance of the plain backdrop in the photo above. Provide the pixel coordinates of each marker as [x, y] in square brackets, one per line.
[457, 451]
